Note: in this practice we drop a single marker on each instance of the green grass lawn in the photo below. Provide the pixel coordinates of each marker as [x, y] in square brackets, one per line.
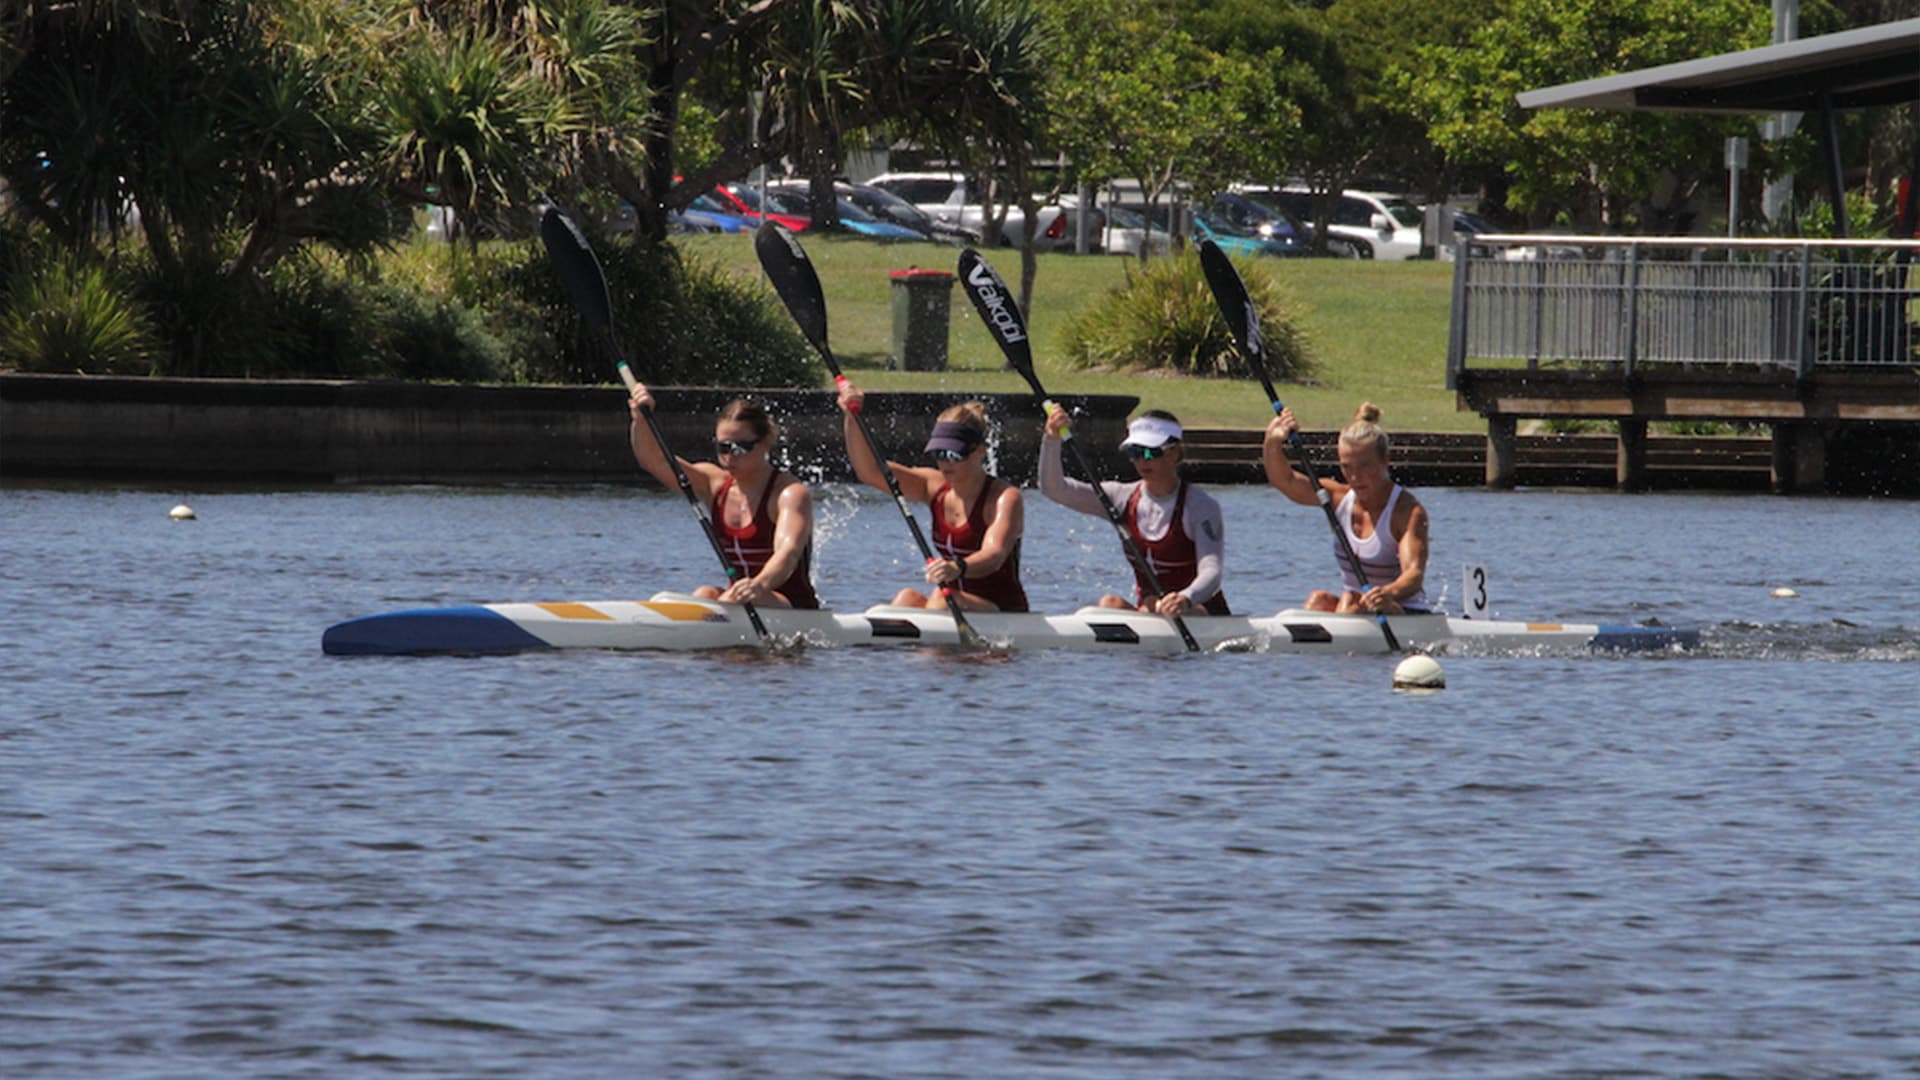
[1378, 331]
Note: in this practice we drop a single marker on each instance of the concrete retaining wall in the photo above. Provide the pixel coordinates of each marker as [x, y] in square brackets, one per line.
[109, 427]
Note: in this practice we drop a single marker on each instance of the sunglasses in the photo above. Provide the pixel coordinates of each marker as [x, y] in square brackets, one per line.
[1146, 453]
[947, 455]
[732, 446]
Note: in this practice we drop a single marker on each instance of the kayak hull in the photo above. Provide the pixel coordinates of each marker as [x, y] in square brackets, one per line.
[672, 621]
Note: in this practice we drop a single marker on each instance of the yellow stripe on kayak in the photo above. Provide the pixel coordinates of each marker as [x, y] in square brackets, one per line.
[575, 611]
[1544, 628]
[682, 612]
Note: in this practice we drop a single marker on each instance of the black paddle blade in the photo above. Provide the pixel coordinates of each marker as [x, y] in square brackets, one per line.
[998, 309]
[793, 277]
[1230, 293]
[578, 267]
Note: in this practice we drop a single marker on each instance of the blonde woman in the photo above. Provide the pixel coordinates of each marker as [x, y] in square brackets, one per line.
[977, 518]
[1384, 523]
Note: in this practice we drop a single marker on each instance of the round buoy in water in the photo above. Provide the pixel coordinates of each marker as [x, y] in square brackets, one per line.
[1418, 672]
[1784, 593]
[183, 512]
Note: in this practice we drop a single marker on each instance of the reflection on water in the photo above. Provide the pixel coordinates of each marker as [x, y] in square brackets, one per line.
[228, 855]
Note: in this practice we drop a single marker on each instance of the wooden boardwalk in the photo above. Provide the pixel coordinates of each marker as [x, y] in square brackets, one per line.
[1725, 463]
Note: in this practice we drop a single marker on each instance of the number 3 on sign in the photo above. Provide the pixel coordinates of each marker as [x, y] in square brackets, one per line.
[1473, 592]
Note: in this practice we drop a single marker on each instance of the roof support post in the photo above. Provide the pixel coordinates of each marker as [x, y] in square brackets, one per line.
[1830, 155]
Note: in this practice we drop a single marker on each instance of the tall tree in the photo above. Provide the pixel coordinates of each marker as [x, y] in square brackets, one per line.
[1603, 169]
[1137, 97]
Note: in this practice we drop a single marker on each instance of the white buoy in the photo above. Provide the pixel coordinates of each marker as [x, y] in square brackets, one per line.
[1784, 593]
[183, 512]
[1419, 672]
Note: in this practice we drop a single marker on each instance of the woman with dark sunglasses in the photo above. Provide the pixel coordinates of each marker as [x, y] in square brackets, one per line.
[977, 518]
[1177, 527]
[763, 516]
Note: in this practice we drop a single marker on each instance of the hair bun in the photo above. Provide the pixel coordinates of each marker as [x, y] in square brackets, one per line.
[1367, 413]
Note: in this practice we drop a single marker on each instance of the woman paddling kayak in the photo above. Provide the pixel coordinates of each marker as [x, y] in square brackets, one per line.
[1177, 527]
[977, 518]
[762, 516]
[1394, 560]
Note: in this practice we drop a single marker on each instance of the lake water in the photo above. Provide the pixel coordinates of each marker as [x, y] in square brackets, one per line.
[224, 854]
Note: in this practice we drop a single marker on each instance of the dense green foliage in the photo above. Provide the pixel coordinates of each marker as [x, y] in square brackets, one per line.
[1164, 317]
[232, 183]
[682, 319]
[65, 314]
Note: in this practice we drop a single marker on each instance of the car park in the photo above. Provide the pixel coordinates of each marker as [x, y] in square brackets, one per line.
[744, 199]
[1237, 241]
[1377, 224]
[1206, 225]
[795, 197]
[1127, 232]
[710, 208]
[890, 207]
[953, 198]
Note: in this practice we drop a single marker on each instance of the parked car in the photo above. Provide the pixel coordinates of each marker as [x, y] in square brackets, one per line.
[887, 206]
[712, 209]
[1207, 226]
[1236, 241]
[796, 197]
[952, 198]
[1127, 232]
[1378, 225]
[1274, 221]
[744, 199]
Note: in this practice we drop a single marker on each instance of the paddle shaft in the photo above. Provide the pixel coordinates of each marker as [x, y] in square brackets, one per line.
[1230, 293]
[1001, 313]
[693, 500]
[798, 286]
[580, 272]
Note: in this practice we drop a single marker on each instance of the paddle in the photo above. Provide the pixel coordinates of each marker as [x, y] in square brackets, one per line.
[586, 283]
[793, 277]
[1236, 307]
[997, 308]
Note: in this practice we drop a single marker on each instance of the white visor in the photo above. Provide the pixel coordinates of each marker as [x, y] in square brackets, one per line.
[1151, 431]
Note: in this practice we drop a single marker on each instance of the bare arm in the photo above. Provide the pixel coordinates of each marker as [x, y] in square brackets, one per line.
[913, 481]
[1280, 470]
[1009, 522]
[1413, 554]
[653, 457]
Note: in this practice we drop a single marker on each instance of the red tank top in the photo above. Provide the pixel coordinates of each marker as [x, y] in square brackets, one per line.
[750, 546]
[1174, 558]
[958, 541]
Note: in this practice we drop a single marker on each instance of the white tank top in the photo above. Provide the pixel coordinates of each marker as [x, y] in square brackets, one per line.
[1379, 554]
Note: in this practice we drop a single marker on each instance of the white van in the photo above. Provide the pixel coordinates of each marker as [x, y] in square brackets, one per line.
[1379, 225]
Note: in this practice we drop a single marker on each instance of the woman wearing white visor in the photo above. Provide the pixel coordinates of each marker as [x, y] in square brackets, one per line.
[1177, 527]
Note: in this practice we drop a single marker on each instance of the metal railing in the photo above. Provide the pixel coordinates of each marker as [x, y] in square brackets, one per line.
[1624, 302]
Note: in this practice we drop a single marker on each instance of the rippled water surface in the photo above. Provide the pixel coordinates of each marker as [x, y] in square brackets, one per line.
[223, 854]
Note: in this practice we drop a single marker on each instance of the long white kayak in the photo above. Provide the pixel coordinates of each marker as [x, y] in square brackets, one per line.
[680, 622]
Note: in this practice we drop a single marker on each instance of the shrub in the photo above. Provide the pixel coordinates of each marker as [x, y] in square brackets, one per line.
[68, 313]
[1165, 316]
[681, 320]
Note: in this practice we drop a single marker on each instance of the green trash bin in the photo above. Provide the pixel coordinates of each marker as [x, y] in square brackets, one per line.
[921, 303]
